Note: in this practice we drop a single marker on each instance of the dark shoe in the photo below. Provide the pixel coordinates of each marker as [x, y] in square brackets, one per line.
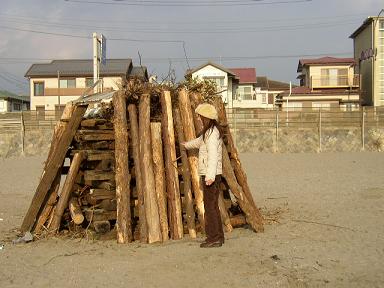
[211, 244]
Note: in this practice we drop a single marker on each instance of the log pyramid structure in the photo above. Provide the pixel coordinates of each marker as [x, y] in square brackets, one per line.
[128, 174]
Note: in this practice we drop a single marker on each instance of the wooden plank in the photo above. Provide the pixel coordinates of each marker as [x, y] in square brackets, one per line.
[187, 187]
[172, 180]
[94, 135]
[52, 200]
[94, 175]
[123, 223]
[190, 133]
[101, 194]
[99, 215]
[146, 167]
[159, 172]
[55, 161]
[134, 129]
[66, 191]
[92, 122]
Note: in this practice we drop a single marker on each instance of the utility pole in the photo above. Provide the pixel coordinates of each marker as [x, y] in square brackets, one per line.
[58, 90]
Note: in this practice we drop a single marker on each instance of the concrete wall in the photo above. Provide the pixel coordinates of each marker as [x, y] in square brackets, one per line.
[302, 140]
[36, 142]
[289, 140]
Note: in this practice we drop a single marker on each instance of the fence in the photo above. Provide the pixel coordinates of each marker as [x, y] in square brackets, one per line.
[253, 130]
[320, 125]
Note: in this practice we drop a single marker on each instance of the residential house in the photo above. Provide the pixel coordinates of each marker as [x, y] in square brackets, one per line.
[324, 83]
[10, 102]
[54, 84]
[240, 87]
[220, 75]
[368, 46]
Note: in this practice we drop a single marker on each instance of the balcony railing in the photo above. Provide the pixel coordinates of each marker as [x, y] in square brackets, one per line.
[64, 91]
[342, 81]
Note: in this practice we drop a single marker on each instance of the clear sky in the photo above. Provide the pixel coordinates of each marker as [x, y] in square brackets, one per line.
[270, 35]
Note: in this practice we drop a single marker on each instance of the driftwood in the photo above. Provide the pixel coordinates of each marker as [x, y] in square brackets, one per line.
[189, 132]
[159, 172]
[146, 167]
[123, 223]
[173, 192]
[132, 110]
[190, 211]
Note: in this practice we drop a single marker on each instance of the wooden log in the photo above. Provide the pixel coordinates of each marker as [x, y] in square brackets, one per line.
[224, 214]
[65, 194]
[44, 216]
[159, 172]
[94, 135]
[189, 132]
[237, 190]
[190, 211]
[146, 167]
[238, 220]
[94, 175]
[102, 227]
[75, 211]
[196, 99]
[63, 138]
[134, 129]
[172, 181]
[235, 161]
[100, 155]
[123, 223]
[101, 194]
[92, 122]
[99, 215]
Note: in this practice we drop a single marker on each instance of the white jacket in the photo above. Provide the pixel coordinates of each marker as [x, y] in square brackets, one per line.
[210, 153]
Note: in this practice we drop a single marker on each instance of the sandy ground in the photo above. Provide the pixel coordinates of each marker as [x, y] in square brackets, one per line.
[329, 233]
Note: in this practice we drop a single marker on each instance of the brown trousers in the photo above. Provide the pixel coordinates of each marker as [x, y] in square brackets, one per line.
[213, 225]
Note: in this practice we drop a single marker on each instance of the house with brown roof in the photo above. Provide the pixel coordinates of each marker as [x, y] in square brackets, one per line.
[240, 87]
[54, 84]
[325, 82]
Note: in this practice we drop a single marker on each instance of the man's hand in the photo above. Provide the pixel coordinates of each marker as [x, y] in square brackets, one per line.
[209, 182]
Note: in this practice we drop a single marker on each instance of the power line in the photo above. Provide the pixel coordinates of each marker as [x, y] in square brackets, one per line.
[188, 4]
[88, 37]
[206, 58]
[152, 22]
[222, 30]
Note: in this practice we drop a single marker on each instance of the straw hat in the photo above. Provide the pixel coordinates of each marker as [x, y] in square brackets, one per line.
[207, 110]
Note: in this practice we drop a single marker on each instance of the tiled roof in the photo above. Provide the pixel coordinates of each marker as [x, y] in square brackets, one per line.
[246, 75]
[78, 67]
[324, 61]
[267, 84]
[191, 71]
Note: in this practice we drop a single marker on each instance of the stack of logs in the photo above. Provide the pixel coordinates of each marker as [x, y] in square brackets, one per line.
[129, 176]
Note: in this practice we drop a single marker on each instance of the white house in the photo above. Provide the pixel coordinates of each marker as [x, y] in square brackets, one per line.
[54, 84]
[240, 88]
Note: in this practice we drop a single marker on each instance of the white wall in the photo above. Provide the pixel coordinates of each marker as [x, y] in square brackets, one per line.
[50, 101]
[211, 71]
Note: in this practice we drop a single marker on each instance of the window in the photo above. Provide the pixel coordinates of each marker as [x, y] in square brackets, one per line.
[67, 83]
[334, 77]
[264, 98]
[17, 106]
[247, 95]
[320, 105]
[38, 88]
[88, 82]
[219, 81]
[381, 25]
